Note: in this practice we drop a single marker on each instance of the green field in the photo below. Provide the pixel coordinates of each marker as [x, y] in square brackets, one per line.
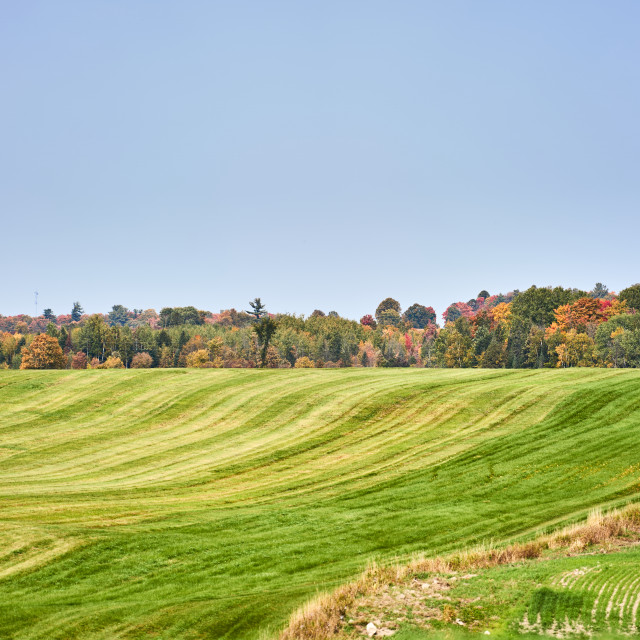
[211, 503]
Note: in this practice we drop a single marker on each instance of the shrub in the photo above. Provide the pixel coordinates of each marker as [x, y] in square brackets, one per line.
[113, 362]
[198, 359]
[142, 361]
[79, 360]
[304, 363]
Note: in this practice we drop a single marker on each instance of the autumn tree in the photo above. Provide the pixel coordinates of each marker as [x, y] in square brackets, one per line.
[141, 360]
[452, 313]
[198, 359]
[537, 304]
[79, 360]
[10, 345]
[501, 313]
[44, 352]
[575, 351]
[578, 314]
[114, 361]
[368, 321]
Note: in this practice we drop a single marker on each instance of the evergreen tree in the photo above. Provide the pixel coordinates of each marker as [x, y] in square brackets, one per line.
[599, 291]
[264, 329]
[258, 309]
[118, 315]
[76, 312]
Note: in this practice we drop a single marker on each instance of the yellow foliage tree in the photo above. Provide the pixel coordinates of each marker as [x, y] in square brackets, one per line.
[617, 307]
[501, 312]
[577, 350]
[113, 362]
[201, 359]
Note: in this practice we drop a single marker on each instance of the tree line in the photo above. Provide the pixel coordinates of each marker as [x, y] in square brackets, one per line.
[539, 327]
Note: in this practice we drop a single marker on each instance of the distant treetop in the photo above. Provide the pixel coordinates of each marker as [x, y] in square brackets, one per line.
[257, 309]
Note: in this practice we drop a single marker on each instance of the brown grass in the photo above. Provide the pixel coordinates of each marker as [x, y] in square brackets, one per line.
[323, 617]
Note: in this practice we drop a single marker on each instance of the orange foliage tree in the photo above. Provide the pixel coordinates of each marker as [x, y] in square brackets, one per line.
[44, 352]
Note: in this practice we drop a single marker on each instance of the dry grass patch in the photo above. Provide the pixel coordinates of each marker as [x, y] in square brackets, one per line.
[388, 596]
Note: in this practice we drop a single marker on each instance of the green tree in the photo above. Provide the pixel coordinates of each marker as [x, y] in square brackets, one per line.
[64, 340]
[52, 330]
[631, 295]
[76, 312]
[482, 339]
[264, 330]
[615, 340]
[454, 345]
[118, 315]
[536, 348]
[599, 291]
[163, 339]
[176, 316]
[519, 329]
[419, 316]
[48, 314]
[483, 294]
[537, 304]
[385, 305]
[494, 356]
[389, 317]
[452, 313]
[93, 337]
[258, 310]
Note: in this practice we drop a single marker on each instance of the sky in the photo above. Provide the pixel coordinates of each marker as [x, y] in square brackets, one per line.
[319, 155]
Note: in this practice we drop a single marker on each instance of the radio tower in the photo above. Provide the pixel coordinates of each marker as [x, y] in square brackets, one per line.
[35, 293]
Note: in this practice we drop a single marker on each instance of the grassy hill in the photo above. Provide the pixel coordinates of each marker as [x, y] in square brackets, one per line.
[210, 504]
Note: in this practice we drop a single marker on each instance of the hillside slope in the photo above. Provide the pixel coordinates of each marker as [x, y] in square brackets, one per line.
[196, 504]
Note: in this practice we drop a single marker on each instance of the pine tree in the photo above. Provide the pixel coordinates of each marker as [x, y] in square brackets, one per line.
[76, 312]
[258, 309]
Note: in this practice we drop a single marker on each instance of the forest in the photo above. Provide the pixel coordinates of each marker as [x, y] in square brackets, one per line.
[540, 327]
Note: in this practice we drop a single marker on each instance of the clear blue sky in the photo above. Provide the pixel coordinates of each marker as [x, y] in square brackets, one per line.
[316, 154]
